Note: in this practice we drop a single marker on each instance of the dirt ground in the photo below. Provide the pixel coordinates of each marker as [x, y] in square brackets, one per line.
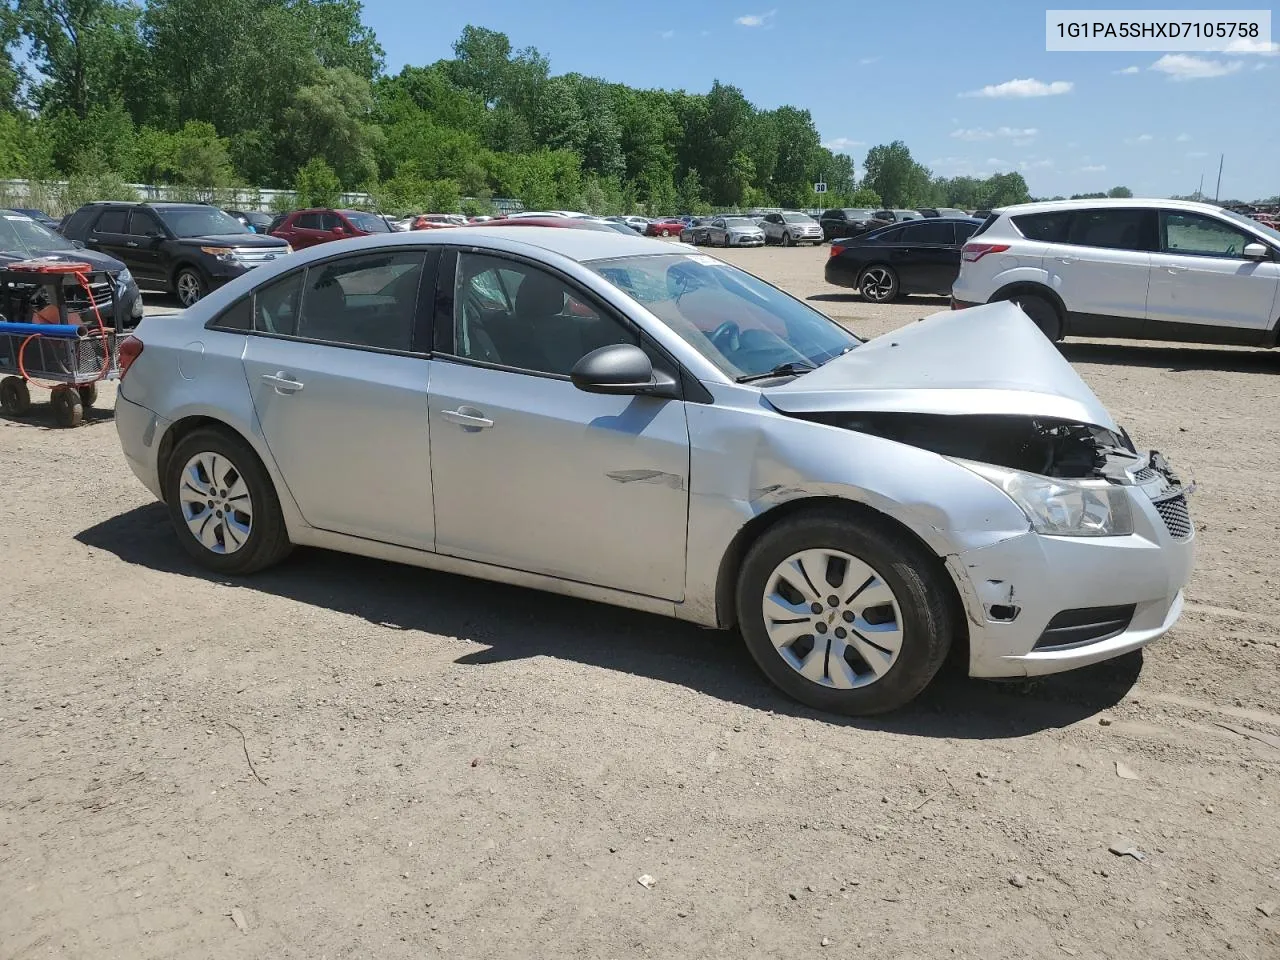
[343, 758]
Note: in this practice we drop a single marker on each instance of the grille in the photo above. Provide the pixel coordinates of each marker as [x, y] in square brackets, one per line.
[1175, 516]
[1145, 475]
[1076, 628]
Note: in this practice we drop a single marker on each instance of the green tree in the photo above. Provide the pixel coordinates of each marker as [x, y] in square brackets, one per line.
[1121, 193]
[1004, 189]
[332, 119]
[200, 157]
[689, 194]
[865, 197]
[317, 185]
[893, 174]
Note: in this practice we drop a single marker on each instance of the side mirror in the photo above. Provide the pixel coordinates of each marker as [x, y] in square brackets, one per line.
[1255, 251]
[621, 368]
[339, 232]
[78, 244]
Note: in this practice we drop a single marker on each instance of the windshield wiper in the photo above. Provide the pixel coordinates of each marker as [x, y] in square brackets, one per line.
[791, 368]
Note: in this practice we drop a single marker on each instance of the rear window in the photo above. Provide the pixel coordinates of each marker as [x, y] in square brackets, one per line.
[893, 235]
[368, 222]
[986, 224]
[929, 232]
[111, 221]
[77, 222]
[1047, 227]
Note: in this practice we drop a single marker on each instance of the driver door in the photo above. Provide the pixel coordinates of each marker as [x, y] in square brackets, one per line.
[528, 471]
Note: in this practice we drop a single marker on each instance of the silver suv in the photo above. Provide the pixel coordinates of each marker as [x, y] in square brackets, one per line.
[1141, 269]
[790, 229]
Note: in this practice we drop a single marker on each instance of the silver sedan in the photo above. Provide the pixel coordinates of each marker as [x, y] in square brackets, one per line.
[612, 418]
[734, 232]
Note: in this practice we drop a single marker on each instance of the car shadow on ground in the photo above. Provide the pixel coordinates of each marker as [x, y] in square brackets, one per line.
[924, 299]
[512, 623]
[1175, 359]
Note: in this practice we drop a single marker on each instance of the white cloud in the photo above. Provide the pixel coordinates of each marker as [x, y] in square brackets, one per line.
[980, 133]
[1183, 66]
[1248, 45]
[1094, 168]
[1127, 71]
[1140, 138]
[667, 34]
[755, 19]
[1034, 164]
[706, 33]
[867, 61]
[843, 144]
[1182, 137]
[1023, 88]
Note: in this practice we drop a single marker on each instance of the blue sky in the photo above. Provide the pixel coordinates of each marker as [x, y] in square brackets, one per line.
[935, 74]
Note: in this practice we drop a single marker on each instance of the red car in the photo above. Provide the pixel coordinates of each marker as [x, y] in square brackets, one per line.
[557, 222]
[670, 227]
[306, 228]
[435, 221]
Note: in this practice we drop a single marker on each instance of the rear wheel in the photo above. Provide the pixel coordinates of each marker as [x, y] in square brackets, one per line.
[843, 615]
[188, 286]
[88, 395]
[15, 396]
[1042, 313]
[223, 505]
[878, 283]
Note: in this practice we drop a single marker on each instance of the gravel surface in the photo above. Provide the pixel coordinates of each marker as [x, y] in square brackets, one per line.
[344, 758]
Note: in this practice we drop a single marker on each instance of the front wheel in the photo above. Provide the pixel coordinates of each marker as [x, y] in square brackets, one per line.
[223, 505]
[844, 615]
[879, 284]
[189, 286]
[1042, 313]
[786, 239]
[15, 396]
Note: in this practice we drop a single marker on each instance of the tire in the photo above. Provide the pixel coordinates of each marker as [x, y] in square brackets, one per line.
[878, 283]
[88, 395]
[895, 594]
[15, 396]
[189, 286]
[665, 233]
[786, 239]
[1042, 313]
[230, 545]
[67, 409]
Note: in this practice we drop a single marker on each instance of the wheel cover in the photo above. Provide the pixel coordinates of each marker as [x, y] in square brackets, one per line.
[843, 645]
[188, 288]
[877, 284]
[215, 503]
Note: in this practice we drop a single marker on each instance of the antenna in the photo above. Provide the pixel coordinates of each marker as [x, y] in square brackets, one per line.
[1218, 188]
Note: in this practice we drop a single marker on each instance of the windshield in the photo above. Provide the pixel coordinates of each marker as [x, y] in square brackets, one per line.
[796, 218]
[23, 235]
[739, 222]
[738, 322]
[1270, 232]
[369, 222]
[199, 221]
[859, 214]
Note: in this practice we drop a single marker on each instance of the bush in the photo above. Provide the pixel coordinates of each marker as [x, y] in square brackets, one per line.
[317, 185]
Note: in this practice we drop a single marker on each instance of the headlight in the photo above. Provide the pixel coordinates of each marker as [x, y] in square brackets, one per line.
[288, 247]
[1063, 508]
[124, 278]
[225, 254]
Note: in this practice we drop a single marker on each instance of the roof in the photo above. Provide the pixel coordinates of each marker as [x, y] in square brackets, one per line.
[1127, 202]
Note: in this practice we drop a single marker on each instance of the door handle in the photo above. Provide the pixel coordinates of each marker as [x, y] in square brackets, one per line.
[467, 417]
[131, 243]
[1175, 269]
[282, 382]
[1066, 259]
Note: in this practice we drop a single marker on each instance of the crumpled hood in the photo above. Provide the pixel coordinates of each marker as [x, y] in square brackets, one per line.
[983, 360]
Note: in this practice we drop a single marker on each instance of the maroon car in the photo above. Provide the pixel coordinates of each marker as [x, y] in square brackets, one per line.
[306, 228]
[668, 227]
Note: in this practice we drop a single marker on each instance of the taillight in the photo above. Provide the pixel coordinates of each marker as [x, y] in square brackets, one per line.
[973, 252]
[836, 251]
[130, 350]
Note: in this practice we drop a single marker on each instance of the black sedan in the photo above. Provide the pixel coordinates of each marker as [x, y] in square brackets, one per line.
[920, 256]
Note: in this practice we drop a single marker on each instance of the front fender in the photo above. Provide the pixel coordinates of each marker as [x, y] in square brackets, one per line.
[746, 462]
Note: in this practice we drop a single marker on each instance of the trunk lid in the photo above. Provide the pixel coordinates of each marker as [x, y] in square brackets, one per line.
[984, 360]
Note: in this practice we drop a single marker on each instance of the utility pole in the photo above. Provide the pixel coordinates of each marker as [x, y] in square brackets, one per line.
[1200, 189]
[1218, 188]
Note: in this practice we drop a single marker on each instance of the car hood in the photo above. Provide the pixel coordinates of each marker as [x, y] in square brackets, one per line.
[99, 261]
[983, 360]
[743, 228]
[234, 240]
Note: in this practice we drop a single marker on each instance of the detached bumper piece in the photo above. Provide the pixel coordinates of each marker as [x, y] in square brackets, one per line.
[1081, 627]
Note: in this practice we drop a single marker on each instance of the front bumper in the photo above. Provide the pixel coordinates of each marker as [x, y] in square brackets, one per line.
[748, 240]
[1013, 589]
[140, 432]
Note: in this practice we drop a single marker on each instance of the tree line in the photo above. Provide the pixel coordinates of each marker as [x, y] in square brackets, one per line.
[293, 94]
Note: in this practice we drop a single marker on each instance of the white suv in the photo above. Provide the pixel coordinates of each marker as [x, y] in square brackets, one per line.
[1142, 269]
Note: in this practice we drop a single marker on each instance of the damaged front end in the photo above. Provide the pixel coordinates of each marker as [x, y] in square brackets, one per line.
[1035, 445]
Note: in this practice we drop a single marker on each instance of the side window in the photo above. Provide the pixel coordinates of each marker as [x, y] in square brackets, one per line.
[516, 315]
[142, 223]
[965, 230]
[774, 218]
[111, 221]
[1197, 235]
[884, 215]
[329, 220]
[238, 316]
[275, 307]
[307, 221]
[367, 301]
[891, 236]
[1109, 228]
[1046, 227]
[75, 225]
[927, 231]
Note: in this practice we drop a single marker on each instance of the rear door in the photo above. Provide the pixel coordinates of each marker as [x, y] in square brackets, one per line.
[1201, 277]
[1103, 270]
[338, 371]
[144, 243]
[307, 230]
[925, 254]
[109, 234]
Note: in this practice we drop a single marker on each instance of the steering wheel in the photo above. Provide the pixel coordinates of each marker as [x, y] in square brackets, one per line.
[727, 335]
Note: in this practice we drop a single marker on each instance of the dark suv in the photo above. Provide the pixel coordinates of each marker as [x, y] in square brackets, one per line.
[186, 248]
